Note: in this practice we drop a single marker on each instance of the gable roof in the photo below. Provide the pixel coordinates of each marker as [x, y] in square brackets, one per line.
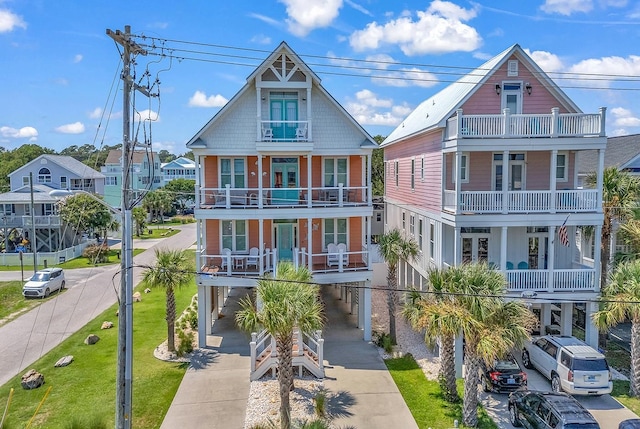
[622, 152]
[434, 111]
[137, 156]
[180, 162]
[197, 143]
[23, 195]
[68, 163]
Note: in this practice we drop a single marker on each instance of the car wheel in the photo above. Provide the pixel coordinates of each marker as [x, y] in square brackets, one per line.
[555, 383]
[47, 292]
[62, 286]
[526, 361]
[514, 416]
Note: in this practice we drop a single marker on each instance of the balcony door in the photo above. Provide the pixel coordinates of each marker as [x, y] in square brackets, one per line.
[284, 115]
[538, 245]
[285, 237]
[285, 176]
[475, 248]
[516, 171]
[512, 97]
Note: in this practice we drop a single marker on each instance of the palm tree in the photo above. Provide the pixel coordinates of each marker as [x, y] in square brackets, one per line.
[620, 192]
[420, 312]
[619, 302]
[394, 248]
[171, 270]
[283, 303]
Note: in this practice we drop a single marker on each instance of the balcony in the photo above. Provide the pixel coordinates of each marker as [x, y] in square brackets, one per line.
[284, 132]
[252, 198]
[480, 202]
[558, 280]
[41, 221]
[507, 125]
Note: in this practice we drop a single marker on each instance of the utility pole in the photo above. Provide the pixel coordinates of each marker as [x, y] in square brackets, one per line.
[125, 309]
[34, 246]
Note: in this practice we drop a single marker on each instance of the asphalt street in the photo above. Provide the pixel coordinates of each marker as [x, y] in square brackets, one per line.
[89, 292]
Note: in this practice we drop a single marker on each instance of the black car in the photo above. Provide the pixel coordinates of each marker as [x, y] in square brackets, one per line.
[503, 375]
[629, 424]
[547, 410]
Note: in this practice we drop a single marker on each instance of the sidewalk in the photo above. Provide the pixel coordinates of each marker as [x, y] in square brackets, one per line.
[215, 388]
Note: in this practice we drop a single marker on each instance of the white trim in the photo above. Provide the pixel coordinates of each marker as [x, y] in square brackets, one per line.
[335, 171]
[234, 235]
[466, 168]
[565, 178]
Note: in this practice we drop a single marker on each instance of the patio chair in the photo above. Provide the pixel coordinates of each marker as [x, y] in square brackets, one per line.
[333, 258]
[254, 258]
[301, 132]
[342, 248]
[523, 265]
[509, 265]
[226, 258]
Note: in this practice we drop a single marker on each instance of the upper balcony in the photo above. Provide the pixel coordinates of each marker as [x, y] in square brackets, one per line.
[507, 125]
[288, 134]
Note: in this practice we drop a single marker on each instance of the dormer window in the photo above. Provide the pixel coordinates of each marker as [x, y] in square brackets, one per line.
[44, 175]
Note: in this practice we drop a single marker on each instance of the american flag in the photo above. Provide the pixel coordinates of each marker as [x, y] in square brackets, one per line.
[563, 235]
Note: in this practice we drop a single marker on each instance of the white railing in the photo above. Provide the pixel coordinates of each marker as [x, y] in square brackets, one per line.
[564, 280]
[50, 220]
[509, 125]
[284, 131]
[576, 200]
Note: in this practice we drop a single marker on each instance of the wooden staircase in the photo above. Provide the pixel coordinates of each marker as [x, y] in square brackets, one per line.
[307, 353]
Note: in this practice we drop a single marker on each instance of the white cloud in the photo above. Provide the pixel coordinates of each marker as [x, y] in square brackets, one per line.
[439, 29]
[9, 21]
[77, 58]
[307, 15]
[624, 118]
[261, 39]
[606, 66]
[147, 115]
[22, 133]
[358, 7]
[200, 99]
[171, 147]
[266, 19]
[368, 109]
[567, 7]
[546, 60]
[95, 113]
[159, 25]
[406, 77]
[75, 128]
[618, 132]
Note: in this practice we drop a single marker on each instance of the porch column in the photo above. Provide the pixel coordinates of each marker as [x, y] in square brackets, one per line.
[309, 115]
[457, 185]
[600, 178]
[204, 314]
[566, 318]
[553, 180]
[200, 169]
[369, 158]
[545, 317]
[590, 330]
[260, 184]
[259, 114]
[457, 247]
[214, 301]
[309, 177]
[597, 267]
[310, 242]
[457, 355]
[503, 249]
[369, 263]
[505, 182]
[551, 257]
[199, 261]
[364, 308]
[261, 242]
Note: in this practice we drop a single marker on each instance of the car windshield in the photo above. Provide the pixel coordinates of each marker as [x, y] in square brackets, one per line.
[590, 365]
[40, 277]
[502, 365]
[581, 426]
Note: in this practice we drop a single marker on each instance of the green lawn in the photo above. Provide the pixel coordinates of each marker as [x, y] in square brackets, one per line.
[86, 388]
[157, 232]
[12, 302]
[81, 262]
[424, 398]
[621, 393]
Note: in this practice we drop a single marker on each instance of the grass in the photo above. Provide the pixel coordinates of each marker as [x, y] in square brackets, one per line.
[86, 388]
[81, 262]
[12, 302]
[160, 232]
[621, 393]
[424, 397]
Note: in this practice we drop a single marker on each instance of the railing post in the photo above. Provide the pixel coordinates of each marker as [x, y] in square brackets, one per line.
[555, 117]
[300, 342]
[321, 354]
[603, 111]
[506, 112]
[253, 352]
[296, 262]
[227, 196]
[340, 193]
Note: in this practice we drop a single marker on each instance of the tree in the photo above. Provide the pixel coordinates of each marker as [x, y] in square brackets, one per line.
[16, 158]
[620, 302]
[165, 156]
[84, 212]
[157, 203]
[377, 168]
[286, 302]
[395, 248]
[139, 215]
[171, 271]
[620, 192]
[182, 191]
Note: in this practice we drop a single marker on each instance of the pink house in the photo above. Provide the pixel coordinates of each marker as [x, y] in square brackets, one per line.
[485, 170]
[283, 174]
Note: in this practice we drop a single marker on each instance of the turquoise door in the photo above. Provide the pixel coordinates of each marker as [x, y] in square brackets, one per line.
[285, 181]
[284, 117]
[285, 240]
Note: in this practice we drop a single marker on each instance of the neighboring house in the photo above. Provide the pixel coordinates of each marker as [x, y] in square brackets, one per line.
[146, 175]
[284, 174]
[49, 172]
[485, 171]
[179, 168]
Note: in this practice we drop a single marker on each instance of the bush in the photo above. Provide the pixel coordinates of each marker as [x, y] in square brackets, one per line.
[185, 342]
[382, 340]
[183, 219]
[97, 253]
[320, 404]
[192, 318]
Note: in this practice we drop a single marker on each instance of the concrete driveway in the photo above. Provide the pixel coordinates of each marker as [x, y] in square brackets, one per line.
[607, 411]
[89, 292]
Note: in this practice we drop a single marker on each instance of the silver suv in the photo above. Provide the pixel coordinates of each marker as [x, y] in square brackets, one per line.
[43, 282]
[570, 364]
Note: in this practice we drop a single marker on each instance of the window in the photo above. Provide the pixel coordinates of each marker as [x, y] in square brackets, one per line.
[413, 173]
[422, 168]
[44, 175]
[412, 225]
[335, 231]
[6, 209]
[25, 180]
[232, 172]
[464, 168]
[396, 171]
[335, 171]
[561, 167]
[63, 182]
[512, 97]
[111, 181]
[404, 221]
[47, 209]
[420, 234]
[512, 68]
[432, 242]
[234, 235]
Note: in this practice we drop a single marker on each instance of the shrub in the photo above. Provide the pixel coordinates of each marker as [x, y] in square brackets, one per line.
[192, 317]
[382, 340]
[320, 403]
[92, 422]
[97, 253]
[185, 342]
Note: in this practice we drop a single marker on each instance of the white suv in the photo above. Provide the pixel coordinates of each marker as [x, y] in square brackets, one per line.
[570, 364]
[44, 282]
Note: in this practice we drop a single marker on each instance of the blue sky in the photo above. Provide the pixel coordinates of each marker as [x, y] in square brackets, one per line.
[59, 67]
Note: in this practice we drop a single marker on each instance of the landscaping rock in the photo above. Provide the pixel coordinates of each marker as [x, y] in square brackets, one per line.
[64, 361]
[137, 297]
[147, 290]
[32, 379]
[91, 339]
[106, 325]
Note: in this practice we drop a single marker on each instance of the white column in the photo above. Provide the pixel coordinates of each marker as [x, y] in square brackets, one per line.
[214, 302]
[260, 182]
[553, 179]
[503, 248]
[458, 358]
[590, 332]
[551, 252]
[457, 246]
[364, 301]
[369, 184]
[545, 317]
[204, 314]
[566, 318]
[600, 178]
[309, 178]
[309, 127]
[597, 236]
[505, 182]
[457, 185]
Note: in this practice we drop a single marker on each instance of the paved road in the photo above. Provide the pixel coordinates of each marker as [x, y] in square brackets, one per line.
[90, 292]
[607, 411]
